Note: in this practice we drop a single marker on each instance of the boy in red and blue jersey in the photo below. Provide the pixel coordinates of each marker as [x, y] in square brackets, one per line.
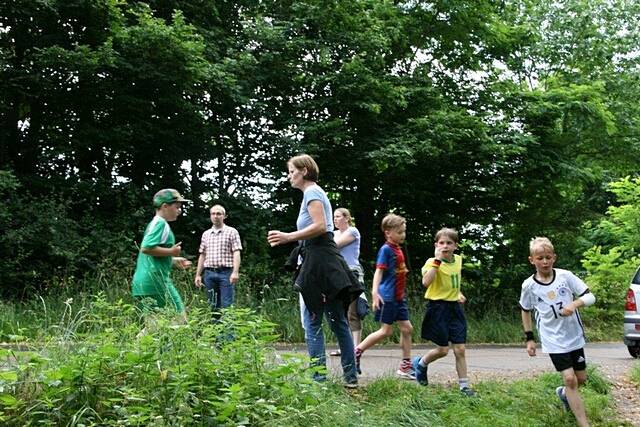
[388, 296]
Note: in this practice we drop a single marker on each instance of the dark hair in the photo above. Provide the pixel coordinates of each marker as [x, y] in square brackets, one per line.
[302, 161]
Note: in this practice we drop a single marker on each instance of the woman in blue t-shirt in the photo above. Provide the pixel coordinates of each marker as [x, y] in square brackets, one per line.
[324, 280]
[347, 239]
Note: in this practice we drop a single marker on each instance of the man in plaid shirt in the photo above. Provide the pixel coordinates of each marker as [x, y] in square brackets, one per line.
[219, 260]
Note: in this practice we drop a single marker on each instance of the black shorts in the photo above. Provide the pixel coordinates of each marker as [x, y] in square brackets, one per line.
[444, 322]
[574, 359]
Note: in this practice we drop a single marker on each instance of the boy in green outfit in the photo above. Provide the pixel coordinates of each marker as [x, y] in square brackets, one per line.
[152, 286]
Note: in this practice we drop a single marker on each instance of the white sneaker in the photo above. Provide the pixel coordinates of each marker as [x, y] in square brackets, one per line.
[406, 373]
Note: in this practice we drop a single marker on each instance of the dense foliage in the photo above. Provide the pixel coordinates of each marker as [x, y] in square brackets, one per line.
[101, 371]
[96, 368]
[504, 119]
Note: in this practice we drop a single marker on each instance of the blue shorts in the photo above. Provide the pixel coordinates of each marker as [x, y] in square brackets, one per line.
[444, 322]
[392, 311]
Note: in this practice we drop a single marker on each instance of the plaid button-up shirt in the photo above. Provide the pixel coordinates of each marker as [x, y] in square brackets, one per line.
[219, 245]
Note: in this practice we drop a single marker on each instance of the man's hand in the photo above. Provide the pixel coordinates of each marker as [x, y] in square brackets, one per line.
[198, 281]
[234, 278]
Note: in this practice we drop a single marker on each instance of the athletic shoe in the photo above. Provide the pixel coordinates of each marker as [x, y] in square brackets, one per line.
[468, 391]
[420, 372]
[563, 398]
[406, 370]
[351, 385]
[335, 353]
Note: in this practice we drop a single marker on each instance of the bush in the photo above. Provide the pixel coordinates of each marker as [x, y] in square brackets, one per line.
[612, 260]
[174, 375]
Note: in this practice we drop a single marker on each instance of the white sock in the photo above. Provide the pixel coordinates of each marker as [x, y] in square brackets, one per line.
[463, 382]
[423, 363]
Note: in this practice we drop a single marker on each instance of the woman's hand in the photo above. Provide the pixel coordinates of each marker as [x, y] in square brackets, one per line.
[275, 238]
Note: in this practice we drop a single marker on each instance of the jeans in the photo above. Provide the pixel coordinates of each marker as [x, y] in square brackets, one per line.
[335, 314]
[220, 290]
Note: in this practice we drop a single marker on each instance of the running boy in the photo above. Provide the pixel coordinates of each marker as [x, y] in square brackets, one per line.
[152, 286]
[444, 320]
[550, 291]
[388, 297]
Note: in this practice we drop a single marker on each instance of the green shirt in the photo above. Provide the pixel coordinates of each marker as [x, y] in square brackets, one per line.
[152, 273]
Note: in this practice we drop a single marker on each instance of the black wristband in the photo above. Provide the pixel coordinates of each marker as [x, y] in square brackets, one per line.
[529, 336]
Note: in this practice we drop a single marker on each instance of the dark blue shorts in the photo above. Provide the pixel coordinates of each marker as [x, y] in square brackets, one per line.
[444, 322]
[392, 311]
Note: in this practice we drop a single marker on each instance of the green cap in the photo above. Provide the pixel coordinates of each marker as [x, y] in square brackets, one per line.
[167, 195]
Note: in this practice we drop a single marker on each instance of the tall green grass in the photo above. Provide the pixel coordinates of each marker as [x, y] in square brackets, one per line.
[392, 402]
[271, 296]
[635, 374]
[93, 367]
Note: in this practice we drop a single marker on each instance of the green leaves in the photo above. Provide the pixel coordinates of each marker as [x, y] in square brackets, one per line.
[223, 373]
[612, 260]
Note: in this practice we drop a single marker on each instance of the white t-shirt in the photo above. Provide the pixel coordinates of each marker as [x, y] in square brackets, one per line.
[558, 334]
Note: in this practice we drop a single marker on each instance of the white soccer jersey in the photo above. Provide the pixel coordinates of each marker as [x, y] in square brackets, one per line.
[558, 334]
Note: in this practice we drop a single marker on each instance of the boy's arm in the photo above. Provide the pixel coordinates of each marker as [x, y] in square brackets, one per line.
[526, 324]
[429, 276]
[376, 301]
[159, 251]
[584, 300]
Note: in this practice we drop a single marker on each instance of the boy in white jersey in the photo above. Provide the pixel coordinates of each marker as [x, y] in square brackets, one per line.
[550, 292]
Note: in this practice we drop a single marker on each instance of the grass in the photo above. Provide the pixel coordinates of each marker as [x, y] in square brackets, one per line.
[635, 374]
[93, 368]
[275, 300]
[393, 402]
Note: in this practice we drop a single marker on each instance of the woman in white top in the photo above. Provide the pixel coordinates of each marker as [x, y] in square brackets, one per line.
[347, 239]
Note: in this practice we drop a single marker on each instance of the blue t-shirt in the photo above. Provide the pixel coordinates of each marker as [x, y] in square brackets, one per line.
[391, 260]
[351, 252]
[314, 192]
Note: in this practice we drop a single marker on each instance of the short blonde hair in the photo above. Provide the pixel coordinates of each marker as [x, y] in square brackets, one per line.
[391, 221]
[540, 242]
[447, 232]
[345, 213]
[219, 207]
[302, 161]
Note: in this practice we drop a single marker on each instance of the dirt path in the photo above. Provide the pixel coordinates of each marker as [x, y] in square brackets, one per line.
[508, 363]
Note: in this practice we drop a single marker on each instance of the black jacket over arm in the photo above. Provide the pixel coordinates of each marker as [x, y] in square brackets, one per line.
[325, 276]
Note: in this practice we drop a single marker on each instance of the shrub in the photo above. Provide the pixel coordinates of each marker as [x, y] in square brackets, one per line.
[223, 373]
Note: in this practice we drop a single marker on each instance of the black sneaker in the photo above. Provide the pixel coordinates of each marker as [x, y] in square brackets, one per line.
[468, 391]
